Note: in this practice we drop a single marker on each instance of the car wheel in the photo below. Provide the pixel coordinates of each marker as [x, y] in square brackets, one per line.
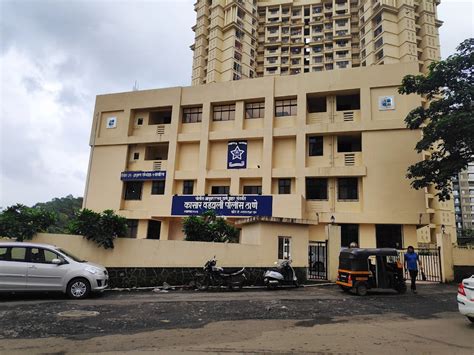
[471, 319]
[361, 289]
[78, 288]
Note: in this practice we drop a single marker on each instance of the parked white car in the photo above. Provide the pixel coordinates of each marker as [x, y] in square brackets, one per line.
[42, 267]
[466, 298]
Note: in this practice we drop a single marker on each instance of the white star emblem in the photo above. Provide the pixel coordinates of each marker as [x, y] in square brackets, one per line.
[237, 153]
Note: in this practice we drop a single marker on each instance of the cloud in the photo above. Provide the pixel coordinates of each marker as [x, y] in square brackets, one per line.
[55, 57]
[458, 18]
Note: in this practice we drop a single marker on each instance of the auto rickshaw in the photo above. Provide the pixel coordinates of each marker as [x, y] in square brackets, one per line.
[376, 268]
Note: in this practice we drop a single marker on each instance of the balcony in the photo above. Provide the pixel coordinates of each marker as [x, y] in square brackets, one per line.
[147, 165]
[160, 131]
[348, 159]
[347, 116]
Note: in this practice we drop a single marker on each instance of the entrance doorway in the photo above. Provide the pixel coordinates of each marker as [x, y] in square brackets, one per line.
[154, 229]
[389, 236]
[317, 261]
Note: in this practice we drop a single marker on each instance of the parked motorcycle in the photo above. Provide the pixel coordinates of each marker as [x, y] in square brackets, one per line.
[283, 274]
[216, 276]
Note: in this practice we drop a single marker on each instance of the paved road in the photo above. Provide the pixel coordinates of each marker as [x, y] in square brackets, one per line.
[306, 320]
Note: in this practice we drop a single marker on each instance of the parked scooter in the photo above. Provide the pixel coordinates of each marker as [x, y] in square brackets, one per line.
[216, 276]
[283, 274]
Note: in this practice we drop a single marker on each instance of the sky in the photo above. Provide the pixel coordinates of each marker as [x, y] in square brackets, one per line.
[57, 55]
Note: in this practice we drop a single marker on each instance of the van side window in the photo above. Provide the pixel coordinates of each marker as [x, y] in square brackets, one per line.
[18, 254]
[4, 254]
[42, 256]
[49, 256]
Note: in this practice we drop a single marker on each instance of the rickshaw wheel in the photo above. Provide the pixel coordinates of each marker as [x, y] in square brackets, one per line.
[361, 289]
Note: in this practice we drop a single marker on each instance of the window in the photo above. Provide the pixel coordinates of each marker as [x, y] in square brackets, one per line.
[252, 190]
[348, 102]
[388, 236]
[139, 121]
[255, 110]
[136, 156]
[192, 114]
[158, 187]
[156, 152]
[132, 228]
[377, 31]
[347, 189]
[220, 190]
[284, 186]
[154, 229]
[188, 187]
[238, 68]
[316, 146]
[346, 144]
[349, 234]
[43, 256]
[163, 116]
[17, 254]
[379, 55]
[378, 43]
[133, 190]
[284, 248]
[316, 189]
[285, 107]
[224, 113]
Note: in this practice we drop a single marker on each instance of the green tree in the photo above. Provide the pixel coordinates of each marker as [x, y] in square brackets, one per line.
[101, 228]
[22, 222]
[447, 123]
[209, 228]
[65, 209]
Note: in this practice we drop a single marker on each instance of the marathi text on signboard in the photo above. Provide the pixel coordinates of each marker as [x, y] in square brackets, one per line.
[142, 175]
[236, 206]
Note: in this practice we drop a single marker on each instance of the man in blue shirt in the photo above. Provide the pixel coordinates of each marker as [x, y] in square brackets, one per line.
[412, 262]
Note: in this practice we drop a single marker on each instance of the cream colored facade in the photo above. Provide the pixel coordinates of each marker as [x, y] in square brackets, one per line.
[236, 39]
[151, 134]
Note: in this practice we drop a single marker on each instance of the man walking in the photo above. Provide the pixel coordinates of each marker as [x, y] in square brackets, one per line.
[412, 263]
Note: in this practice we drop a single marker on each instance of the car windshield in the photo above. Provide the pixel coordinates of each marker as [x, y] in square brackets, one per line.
[73, 257]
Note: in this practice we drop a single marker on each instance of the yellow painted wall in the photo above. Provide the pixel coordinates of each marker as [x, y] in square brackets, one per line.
[284, 152]
[188, 156]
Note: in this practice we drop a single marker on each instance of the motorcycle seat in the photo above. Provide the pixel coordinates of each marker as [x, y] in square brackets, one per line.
[232, 272]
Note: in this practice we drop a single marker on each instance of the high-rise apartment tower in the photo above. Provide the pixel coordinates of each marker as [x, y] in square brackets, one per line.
[237, 39]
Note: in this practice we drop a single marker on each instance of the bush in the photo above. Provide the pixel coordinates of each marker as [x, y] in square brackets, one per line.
[209, 228]
[22, 223]
[101, 228]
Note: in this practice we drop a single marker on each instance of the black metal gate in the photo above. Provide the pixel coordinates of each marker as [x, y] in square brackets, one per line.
[430, 259]
[317, 261]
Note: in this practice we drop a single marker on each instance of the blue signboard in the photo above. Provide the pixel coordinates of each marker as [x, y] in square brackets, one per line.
[142, 175]
[234, 206]
[237, 155]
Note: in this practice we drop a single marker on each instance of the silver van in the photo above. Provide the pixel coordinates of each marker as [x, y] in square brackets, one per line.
[42, 267]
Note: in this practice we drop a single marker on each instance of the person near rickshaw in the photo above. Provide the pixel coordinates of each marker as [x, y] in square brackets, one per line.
[412, 264]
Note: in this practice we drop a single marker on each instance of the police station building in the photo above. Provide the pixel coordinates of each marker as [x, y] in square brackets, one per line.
[282, 157]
